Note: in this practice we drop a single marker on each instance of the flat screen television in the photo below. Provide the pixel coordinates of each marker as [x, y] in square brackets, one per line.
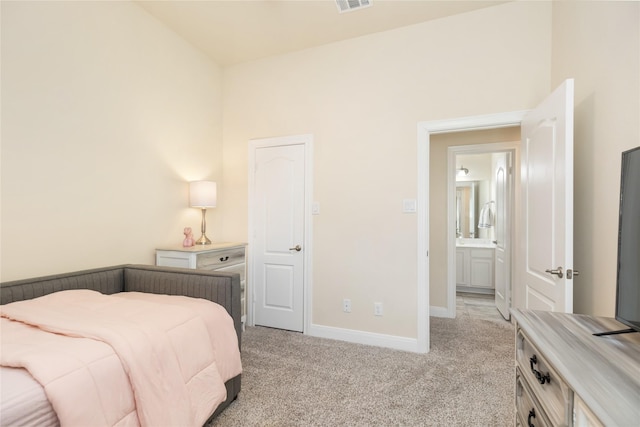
[628, 271]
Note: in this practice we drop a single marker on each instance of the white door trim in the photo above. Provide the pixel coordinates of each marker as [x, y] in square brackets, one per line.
[307, 141]
[425, 129]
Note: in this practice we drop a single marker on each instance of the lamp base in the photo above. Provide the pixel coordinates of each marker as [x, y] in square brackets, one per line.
[203, 240]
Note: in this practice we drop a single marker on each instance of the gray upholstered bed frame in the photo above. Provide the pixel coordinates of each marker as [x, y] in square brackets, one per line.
[222, 288]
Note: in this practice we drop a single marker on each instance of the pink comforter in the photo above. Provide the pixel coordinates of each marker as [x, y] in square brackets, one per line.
[126, 359]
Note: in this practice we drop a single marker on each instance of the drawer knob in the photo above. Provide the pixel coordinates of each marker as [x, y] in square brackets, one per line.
[224, 258]
[532, 414]
[542, 378]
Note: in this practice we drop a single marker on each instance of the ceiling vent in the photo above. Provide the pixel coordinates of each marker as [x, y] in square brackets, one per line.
[349, 5]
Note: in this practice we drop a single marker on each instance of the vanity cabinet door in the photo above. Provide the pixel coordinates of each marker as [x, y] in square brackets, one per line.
[482, 268]
[463, 267]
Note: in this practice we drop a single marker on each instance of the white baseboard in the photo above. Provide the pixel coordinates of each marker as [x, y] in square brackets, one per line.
[361, 337]
[441, 312]
[371, 338]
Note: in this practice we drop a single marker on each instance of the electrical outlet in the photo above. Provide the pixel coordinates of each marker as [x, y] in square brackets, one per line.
[346, 305]
[377, 309]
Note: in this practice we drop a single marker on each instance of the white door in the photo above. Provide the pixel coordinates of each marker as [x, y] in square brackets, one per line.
[278, 228]
[545, 263]
[502, 176]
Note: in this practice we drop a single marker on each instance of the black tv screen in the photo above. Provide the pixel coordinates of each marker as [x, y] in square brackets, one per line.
[628, 280]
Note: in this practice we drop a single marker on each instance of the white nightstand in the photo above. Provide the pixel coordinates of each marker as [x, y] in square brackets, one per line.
[228, 257]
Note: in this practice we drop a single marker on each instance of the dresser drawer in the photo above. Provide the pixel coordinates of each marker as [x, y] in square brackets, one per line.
[553, 394]
[582, 415]
[528, 411]
[218, 259]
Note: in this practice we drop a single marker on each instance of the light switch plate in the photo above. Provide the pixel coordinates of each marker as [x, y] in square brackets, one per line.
[409, 206]
[315, 208]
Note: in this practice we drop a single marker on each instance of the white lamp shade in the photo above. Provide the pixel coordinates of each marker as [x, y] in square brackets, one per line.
[203, 194]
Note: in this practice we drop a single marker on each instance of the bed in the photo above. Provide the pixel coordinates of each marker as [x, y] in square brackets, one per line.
[166, 323]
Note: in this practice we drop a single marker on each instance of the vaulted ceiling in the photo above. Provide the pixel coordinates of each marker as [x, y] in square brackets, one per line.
[234, 31]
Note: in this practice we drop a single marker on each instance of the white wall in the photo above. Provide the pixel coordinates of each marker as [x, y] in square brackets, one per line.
[362, 100]
[598, 44]
[106, 114]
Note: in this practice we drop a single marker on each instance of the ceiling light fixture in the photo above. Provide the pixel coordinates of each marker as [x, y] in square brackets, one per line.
[349, 5]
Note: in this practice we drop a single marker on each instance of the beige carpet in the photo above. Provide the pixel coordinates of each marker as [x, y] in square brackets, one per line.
[289, 379]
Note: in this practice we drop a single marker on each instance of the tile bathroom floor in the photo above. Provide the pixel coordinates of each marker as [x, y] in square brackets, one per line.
[477, 306]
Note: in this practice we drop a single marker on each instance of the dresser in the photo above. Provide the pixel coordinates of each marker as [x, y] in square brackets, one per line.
[228, 257]
[565, 376]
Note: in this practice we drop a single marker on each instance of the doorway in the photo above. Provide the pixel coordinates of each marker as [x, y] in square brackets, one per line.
[482, 215]
[434, 295]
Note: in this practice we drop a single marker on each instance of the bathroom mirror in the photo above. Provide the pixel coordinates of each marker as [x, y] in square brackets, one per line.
[466, 209]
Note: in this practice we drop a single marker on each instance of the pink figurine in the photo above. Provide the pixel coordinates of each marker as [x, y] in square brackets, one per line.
[188, 238]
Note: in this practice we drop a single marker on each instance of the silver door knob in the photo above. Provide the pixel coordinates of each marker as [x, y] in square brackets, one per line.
[571, 273]
[557, 272]
[298, 248]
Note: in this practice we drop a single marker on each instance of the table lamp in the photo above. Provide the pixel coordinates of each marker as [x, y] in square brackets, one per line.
[203, 195]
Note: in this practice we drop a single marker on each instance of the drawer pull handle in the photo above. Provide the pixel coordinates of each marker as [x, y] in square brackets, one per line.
[223, 259]
[532, 414]
[542, 378]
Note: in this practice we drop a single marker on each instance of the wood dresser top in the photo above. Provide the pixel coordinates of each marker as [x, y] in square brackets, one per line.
[604, 371]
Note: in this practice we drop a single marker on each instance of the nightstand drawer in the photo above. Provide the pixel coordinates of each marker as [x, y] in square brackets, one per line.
[219, 259]
[553, 394]
[528, 411]
[237, 268]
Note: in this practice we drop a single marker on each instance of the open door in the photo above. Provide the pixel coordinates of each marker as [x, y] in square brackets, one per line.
[503, 178]
[545, 261]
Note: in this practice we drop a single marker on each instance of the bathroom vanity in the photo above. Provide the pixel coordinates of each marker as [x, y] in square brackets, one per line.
[475, 259]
